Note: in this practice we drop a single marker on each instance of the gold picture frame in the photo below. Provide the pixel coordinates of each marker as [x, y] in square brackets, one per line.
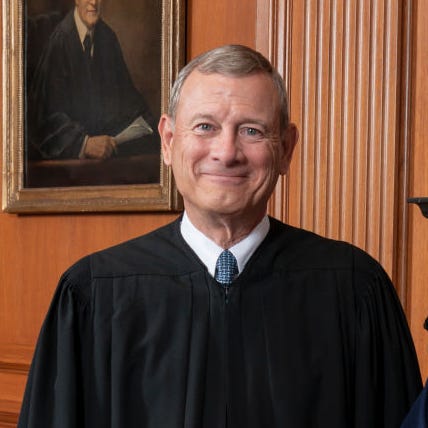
[18, 195]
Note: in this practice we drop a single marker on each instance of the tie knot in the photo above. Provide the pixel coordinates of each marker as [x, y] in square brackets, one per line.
[226, 268]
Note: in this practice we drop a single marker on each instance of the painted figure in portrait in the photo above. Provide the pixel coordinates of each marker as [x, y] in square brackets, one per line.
[82, 102]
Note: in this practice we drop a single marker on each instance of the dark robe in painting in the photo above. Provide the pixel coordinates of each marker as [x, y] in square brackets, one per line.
[71, 97]
[311, 334]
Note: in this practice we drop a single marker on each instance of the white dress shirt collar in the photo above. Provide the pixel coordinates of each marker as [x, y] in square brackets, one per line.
[208, 251]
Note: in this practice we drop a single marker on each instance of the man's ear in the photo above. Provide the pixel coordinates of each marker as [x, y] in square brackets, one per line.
[166, 132]
[289, 141]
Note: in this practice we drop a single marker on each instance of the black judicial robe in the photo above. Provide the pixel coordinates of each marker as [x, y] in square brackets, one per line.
[311, 334]
[71, 97]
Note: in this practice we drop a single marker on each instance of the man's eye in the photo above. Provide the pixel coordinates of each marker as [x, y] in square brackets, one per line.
[204, 127]
[251, 132]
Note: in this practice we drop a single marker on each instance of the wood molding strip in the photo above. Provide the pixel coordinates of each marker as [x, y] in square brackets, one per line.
[9, 413]
[17, 368]
[8, 419]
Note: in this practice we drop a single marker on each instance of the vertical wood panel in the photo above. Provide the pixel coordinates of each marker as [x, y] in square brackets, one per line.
[213, 23]
[341, 72]
[418, 176]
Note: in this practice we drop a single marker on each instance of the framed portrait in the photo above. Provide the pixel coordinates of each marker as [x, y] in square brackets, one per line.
[84, 85]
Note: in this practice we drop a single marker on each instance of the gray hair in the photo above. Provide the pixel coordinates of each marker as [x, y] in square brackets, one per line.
[233, 61]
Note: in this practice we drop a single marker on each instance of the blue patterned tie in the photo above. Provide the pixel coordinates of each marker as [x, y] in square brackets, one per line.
[226, 268]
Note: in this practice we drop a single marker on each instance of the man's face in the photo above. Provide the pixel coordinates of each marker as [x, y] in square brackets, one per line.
[89, 11]
[225, 147]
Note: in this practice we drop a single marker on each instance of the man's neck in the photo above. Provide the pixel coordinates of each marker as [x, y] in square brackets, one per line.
[225, 230]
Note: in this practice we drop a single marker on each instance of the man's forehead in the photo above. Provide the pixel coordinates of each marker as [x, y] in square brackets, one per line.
[223, 85]
[209, 92]
[197, 76]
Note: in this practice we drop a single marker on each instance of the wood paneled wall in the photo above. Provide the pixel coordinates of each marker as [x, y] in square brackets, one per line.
[417, 248]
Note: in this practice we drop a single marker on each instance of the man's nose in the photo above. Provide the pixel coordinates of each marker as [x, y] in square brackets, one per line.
[226, 147]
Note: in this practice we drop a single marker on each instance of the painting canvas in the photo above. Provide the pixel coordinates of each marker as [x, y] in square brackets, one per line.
[91, 79]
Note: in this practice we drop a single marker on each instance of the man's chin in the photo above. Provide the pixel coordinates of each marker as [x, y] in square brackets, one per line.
[91, 21]
[222, 208]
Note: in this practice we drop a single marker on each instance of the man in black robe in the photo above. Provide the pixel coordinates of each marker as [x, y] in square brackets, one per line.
[82, 95]
[299, 331]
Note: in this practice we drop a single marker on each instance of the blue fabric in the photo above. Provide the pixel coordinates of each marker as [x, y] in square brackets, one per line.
[418, 415]
[226, 268]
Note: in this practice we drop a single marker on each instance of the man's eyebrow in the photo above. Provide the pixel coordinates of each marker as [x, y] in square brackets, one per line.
[244, 121]
[253, 121]
[202, 116]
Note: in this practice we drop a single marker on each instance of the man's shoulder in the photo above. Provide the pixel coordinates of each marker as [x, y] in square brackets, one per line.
[303, 249]
[66, 25]
[104, 31]
[62, 35]
[153, 253]
[161, 252]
